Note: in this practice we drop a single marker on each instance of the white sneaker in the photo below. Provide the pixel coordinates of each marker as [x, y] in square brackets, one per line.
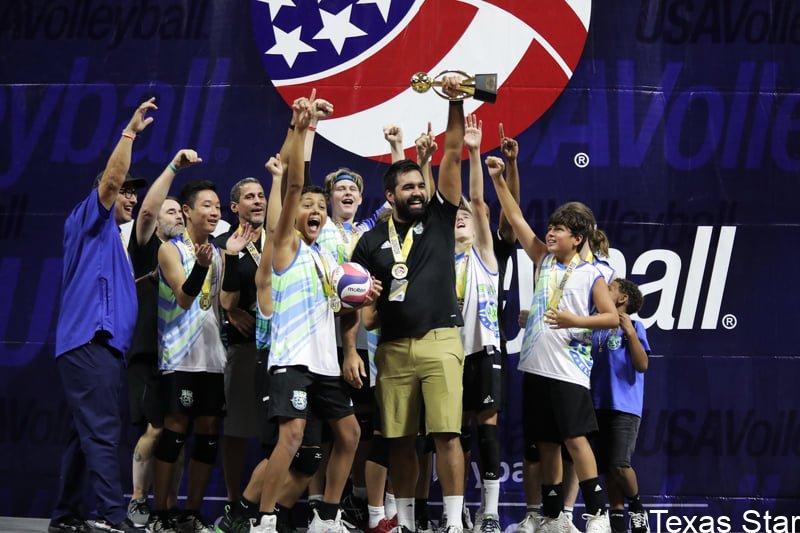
[318, 525]
[572, 527]
[489, 524]
[476, 527]
[532, 523]
[268, 524]
[556, 525]
[598, 523]
[466, 518]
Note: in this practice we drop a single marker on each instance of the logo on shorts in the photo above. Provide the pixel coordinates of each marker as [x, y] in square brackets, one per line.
[186, 398]
[614, 342]
[299, 400]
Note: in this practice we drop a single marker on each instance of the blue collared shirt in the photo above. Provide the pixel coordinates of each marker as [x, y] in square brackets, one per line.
[98, 293]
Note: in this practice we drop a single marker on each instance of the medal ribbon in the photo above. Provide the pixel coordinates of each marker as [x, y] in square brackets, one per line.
[557, 289]
[349, 238]
[322, 271]
[400, 254]
[205, 291]
[461, 276]
[251, 248]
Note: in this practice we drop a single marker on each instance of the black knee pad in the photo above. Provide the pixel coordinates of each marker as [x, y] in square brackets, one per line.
[532, 453]
[379, 451]
[366, 426]
[490, 451]
[466, 439]
[205, 449]
[169, 445]
[307, 460]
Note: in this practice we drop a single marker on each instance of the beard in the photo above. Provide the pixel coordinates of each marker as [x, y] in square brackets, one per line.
[171, 230]
[405, 212]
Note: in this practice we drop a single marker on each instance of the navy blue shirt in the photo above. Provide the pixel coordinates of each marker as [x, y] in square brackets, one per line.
[616, 384]
[98, 295]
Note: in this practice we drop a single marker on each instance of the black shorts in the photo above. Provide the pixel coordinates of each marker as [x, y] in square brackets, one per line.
[295, 392]
[144, 391]
[363, 398]
[194, 393]
[555, 410]
[483, 381]
[616, 439]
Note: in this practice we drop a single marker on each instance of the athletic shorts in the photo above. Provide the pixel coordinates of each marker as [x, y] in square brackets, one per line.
[483, 381]
[555, 410]
[241, 418]
[144, 391]
[295, 392]
[417, 372]
[194, 393]
[615, 439]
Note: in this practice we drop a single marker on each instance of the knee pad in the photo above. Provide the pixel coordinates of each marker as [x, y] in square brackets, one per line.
[366, 426]
[490, 451]
[205, 449]
[466, 439]
[307, 460]
[532, 453]
[169, 445]
[379, 451]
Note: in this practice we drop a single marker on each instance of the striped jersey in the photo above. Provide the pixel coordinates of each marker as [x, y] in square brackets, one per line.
[481, 329]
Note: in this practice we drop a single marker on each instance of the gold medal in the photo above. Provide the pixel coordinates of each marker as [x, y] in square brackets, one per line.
[335, 303]
[205, 301]
[399, 271]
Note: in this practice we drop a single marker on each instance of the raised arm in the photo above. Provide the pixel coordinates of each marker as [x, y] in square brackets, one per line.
[510, 149]
[450, 167]
[473, 134]
[264, 271]
[532, 245]
[426, 147]
[185, 288]
[394, 136]
[120, 161]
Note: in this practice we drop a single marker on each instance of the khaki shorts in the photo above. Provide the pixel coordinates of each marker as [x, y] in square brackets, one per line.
[420, 372]
[241, 401]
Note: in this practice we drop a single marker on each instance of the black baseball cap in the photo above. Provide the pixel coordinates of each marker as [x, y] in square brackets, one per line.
[130, 181]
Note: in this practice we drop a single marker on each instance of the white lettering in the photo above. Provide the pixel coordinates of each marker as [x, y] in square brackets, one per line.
[748, 520]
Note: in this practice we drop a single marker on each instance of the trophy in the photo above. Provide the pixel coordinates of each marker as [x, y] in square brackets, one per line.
[482, 87]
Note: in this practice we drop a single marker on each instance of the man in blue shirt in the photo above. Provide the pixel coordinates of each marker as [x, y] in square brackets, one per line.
[95, 327]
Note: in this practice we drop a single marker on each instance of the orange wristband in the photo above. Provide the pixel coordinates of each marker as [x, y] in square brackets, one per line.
[129, 134]
[312, 128]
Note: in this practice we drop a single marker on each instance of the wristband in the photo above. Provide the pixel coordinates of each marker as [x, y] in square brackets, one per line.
[194, 283]
[291, 126]
[230, 281]
[129, 134]
[173, 168]
[312, 128]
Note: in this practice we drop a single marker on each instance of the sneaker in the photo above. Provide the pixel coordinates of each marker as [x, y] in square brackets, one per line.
[530, 524]
[318, 525]
[478, 520]
[312, 506]
[228, 523]
[598, 523]
[423, 526]
[161, 523]
[139, 511]
[354, 511]
[466, 518]
[639, 521]
[267, 524]
[393, 523]
[453, 529]
[104, 526]
[384, 526]
[489, 524]
[68, 524]
[192, 522]
[561, 524]
[571, 520]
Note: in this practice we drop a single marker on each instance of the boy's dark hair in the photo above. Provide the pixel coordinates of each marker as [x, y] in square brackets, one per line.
[396, 169]
[314, 189]
[574, 219]
[190, 190]
[631, 290]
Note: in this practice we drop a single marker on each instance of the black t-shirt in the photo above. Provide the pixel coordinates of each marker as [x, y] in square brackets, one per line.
[247, 286]
[144, 259]
[430, 300]
[502, 251]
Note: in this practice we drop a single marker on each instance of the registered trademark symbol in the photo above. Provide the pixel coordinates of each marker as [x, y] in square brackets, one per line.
[729, 321]
[581, 160]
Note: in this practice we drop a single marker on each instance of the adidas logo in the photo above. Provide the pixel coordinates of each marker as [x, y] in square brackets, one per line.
[553, 493]
[598, 488]
[488, 399]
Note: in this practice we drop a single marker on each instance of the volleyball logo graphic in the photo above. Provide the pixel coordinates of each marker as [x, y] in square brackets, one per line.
[352, 283]
[361, 57]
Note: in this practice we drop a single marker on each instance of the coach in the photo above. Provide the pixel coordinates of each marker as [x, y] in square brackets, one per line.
[95, 327]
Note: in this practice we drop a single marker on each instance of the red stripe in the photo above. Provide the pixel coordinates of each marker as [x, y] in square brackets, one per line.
[432, 32]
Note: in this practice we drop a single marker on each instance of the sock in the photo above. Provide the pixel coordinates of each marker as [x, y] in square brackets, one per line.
[534, 510]
[421, 510]
[360, 492]
[453, 506]
[245, 508]
[405, 513]
[327, 511]
[552, 500]
[491, 495]
[593, 496]
[568, 511]
[284, 517]
[617, 519]
[635, 504]
[376, 514]
[390, 505]
[315, 497]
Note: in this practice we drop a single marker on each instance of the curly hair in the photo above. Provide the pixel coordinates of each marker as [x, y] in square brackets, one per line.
[631, 290]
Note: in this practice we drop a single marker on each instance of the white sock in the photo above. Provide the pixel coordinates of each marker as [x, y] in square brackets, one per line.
[568, 512]
[360, 492]
[376, 514]
[390, 505]
[405, 513]
[452, 506]
[490, 496]
[315, 497]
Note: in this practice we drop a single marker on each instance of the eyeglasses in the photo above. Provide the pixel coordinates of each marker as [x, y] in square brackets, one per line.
[128, 192]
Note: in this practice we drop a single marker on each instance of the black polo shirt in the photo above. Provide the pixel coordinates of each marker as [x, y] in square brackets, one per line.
[502, 251]
[144, 259]
[430, 300]
[247, 286]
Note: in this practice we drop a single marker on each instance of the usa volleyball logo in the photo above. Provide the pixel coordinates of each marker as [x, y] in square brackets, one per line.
[360, 54]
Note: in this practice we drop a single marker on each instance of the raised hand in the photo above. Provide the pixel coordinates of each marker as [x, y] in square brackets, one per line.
[322, 109]
[304, 111]
[495, 166]
[139, 121]
[186, 158]
[393, 134]
[204, 253]
[451, 85]
[274, 166]
[508, 146]
[473, 132]
[297, 106]
[426, 145]
[238, 240]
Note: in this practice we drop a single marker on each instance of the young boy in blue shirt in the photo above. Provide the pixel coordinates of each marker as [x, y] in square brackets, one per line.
[620, 359]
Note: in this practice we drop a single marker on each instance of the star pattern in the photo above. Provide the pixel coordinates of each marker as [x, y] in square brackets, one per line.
[276, 5]
[383, 6]
[289, 45]
[337, 28]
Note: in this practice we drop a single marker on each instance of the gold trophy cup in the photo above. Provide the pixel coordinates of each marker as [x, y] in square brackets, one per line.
[482, 87]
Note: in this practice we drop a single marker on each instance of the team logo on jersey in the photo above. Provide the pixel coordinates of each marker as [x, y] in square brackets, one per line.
[299, 400]
[614, 342]
[361, 54]
[581, 355]
[186, 398]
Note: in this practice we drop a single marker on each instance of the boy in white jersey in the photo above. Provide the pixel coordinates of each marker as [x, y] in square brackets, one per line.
[476, 289]
[556, 354]
[303, 363]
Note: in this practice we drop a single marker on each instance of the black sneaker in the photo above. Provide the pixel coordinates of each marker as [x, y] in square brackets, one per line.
[354, 511]
[139, 512]
[192, 522]
[104, 526]
[639, 521]
[161, 522]
[231, 522]
[284, 523]
[68, 524]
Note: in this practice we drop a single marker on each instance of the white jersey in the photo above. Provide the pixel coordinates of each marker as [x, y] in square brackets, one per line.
[562, 354]
[481, 329]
